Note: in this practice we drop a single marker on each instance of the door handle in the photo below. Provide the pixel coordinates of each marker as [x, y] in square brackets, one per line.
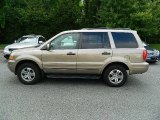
[106, 53]
[70, 53]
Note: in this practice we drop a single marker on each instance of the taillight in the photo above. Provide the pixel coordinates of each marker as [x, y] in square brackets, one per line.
[144, 55]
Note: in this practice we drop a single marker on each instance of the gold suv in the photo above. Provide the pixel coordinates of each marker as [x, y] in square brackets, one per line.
[110, 54]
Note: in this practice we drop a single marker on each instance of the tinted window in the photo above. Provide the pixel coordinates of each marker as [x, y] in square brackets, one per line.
[93, 40]
[124, 40]
[66, 41]
[42, 39]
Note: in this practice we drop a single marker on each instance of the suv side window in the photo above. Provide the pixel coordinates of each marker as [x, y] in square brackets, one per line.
[124, 40]
[66, 41]
[94, 40]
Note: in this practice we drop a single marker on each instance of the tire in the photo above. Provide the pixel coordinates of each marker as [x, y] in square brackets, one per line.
[115, 76]
[29, 73]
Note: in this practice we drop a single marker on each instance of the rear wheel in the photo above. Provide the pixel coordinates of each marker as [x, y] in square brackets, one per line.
[29, 73]
[115, 76]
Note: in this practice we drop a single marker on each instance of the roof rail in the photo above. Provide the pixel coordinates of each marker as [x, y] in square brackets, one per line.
[106, 28]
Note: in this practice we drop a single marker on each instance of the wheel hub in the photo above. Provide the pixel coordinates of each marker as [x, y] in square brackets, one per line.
[28, 74]
[115, 76]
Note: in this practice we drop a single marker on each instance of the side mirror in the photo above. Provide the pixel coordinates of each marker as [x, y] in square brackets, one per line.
[40, 42]
[48, 46]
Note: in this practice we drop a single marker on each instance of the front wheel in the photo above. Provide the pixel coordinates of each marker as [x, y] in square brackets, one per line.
[115, 76]
[29, 73]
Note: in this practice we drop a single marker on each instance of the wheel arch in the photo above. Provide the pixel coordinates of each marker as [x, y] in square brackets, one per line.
[25, 61]
[114, 64]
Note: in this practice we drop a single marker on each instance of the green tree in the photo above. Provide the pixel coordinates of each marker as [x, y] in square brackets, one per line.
[45, 17]
[49, 17]
[2, 14]
[67, 13]
[140, 15]
[115, 13]
[89, 12]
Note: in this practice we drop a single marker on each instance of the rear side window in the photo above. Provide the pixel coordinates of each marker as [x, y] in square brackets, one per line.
[94, 40]
[124, 40]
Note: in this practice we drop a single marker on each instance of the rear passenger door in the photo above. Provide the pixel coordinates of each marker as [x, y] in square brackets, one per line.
[93, 51]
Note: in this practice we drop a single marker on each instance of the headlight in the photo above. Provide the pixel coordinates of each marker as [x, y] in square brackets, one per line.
[157, 52]
[11, 57]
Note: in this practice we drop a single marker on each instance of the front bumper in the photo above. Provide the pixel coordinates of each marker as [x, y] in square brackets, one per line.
[11, 65]
[152, 59]
[139, 68]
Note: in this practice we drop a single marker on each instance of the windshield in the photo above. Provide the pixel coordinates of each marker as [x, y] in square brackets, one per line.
[27, 40]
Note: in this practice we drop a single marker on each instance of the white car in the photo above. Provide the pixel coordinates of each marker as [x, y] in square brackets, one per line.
[24, 42]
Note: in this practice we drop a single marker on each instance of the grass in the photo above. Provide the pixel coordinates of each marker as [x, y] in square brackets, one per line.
[2, 46]
[156, 46]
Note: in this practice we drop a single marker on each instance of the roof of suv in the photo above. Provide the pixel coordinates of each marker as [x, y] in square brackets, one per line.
[101, 30]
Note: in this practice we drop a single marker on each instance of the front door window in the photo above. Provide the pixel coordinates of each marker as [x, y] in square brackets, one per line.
[66, 41]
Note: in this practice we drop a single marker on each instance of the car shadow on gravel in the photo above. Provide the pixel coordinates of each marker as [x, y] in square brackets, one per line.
[152, 64]
[72, 81]
[131, 82]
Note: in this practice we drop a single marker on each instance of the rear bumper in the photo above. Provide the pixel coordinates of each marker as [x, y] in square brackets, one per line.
[138, 68]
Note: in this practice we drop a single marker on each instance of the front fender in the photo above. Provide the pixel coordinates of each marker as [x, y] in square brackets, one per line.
[35, 59]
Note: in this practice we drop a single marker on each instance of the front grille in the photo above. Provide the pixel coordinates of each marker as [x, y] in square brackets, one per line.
[150, 54]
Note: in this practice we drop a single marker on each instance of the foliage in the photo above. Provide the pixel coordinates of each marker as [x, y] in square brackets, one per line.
[139, 15]
[2, 46]
[156, 46]
[49, 17]
[45, 17]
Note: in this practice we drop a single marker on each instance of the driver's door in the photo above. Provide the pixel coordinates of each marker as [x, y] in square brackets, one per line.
[61, 58]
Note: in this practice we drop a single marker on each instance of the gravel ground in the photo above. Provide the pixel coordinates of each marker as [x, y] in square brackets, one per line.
[80, 99]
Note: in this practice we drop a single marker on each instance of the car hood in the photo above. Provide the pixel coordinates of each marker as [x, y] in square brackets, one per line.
[150, 51]
[21, 45]
[154, 50]
[27, 53]
[25, 50]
